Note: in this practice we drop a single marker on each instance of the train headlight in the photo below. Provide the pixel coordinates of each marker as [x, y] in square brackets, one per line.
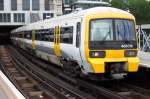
[97, 54]
[130, 53]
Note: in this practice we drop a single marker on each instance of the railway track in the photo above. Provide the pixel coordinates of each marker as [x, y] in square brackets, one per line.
[131, 91]
[71, 82]
[83, 88]
[34, 83]
[96, 92]
[128, 90]
[141, 78]
[19, 77]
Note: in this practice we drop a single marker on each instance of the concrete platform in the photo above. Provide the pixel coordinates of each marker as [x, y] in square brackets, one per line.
[144, 59]
[2, 94]
[7, 89]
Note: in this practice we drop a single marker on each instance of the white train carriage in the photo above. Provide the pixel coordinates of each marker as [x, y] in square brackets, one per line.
[100, 41]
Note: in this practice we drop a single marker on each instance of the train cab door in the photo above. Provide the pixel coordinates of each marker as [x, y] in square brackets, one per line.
[57, 41]
[78, 40]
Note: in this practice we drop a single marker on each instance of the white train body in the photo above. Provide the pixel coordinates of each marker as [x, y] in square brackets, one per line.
[58, 45]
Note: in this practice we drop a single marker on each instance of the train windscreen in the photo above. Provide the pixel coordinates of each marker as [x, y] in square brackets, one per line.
[112, 33]
[112, 30]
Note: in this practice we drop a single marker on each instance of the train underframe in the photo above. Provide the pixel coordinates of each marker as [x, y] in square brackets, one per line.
[113, 70]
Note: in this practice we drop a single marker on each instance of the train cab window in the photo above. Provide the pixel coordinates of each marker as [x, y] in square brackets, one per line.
[101, 30]
[66, 35]
[78, 31]
[125, 30]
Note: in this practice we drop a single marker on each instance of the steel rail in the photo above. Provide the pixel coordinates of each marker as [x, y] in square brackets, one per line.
[99, 91]
[50, 79]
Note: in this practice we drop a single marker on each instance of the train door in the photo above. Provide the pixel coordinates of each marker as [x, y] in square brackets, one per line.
[57, 41]
[33, 39]
[23, 36]
[78, 40]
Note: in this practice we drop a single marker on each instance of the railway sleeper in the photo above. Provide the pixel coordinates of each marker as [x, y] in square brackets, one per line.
[136, 95]
[12, 69]
[14, 74]
[27, 85]
[6, 61]
[20, 78]
[4, 54]
[35, 93]
[5, 58]
[22, 81]
[8, 64]
[27, 90]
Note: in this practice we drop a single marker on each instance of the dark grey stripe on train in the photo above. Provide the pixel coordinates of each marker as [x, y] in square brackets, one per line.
[50, 51]
[45, 49]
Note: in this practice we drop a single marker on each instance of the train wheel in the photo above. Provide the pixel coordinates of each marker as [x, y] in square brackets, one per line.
[72, 69]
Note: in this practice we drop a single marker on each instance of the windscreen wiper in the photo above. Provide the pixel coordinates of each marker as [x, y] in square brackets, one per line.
[104, 39]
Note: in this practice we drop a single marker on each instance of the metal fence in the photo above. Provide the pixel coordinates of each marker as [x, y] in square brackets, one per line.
[143, 39]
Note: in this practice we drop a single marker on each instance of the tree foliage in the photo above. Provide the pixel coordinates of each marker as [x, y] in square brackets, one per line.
[105, 0]
[139, 8]
[118, 4]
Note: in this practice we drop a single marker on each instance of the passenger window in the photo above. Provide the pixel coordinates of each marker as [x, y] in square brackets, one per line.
[30, 35]
[66, 35]
[19, 35]
[78, 32]
[27, 35]
[51, 32]
[46, 36]
[37, 36]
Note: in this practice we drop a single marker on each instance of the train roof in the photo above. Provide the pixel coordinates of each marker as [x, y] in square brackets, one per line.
[96, 10]
[92, 2]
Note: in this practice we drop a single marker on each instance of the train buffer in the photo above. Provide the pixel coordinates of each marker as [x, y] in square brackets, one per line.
[144, 59]
[7, 89]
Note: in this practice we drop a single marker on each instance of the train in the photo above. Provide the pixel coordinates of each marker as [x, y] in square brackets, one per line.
[98, 42]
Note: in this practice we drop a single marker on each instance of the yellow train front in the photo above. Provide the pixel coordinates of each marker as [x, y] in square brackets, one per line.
[110, 44]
